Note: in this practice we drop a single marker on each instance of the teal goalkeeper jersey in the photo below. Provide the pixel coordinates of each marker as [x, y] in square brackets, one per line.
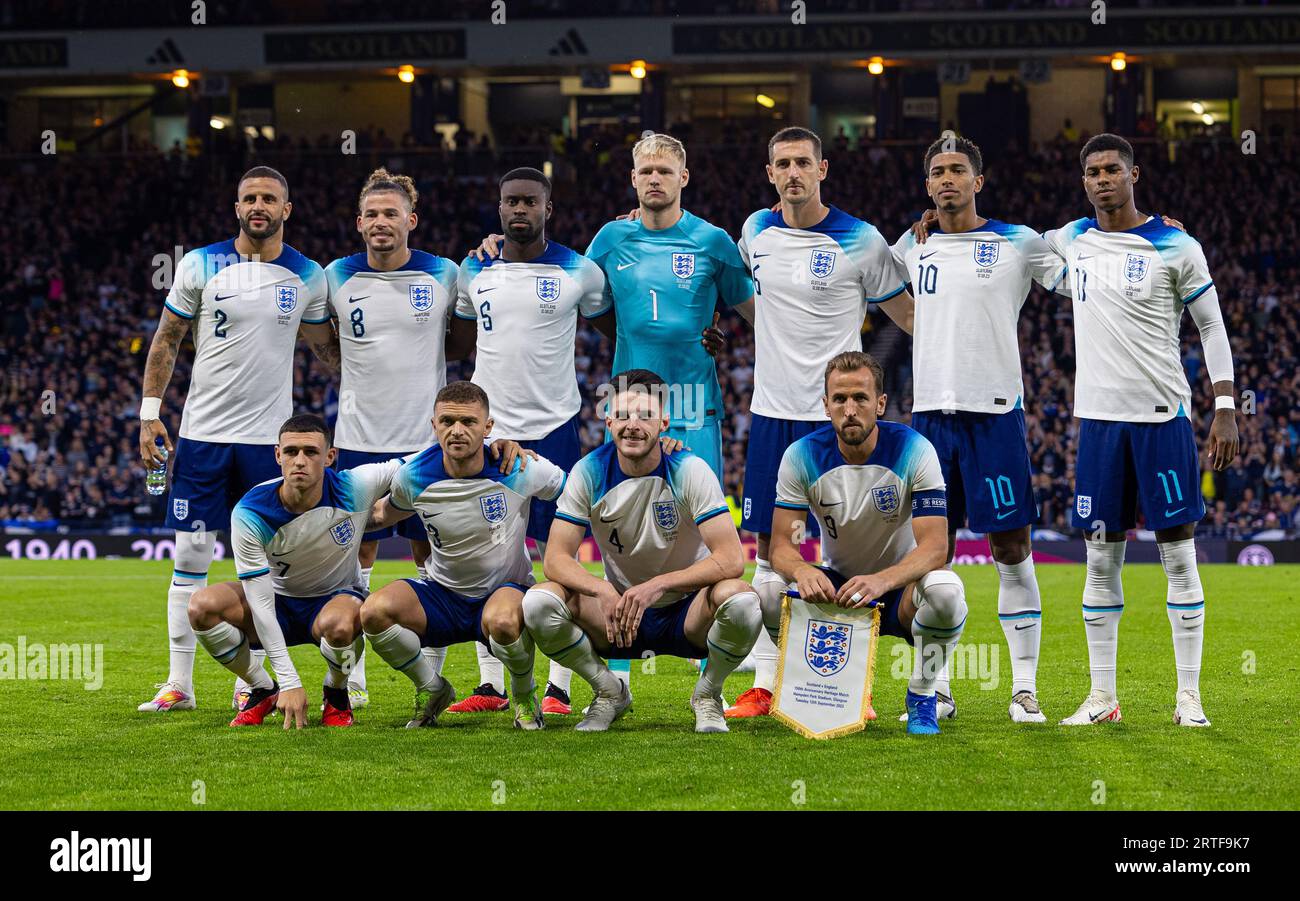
[665, 285]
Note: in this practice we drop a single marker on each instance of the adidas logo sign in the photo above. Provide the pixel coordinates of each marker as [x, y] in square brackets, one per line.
[166, 54]
[570, 45]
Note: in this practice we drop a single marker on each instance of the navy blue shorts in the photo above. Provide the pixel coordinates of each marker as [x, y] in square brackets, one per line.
[985, 463]
[662, 631]
[1124, 465]
[768, 440]
[451, 618]
[410, 527]
[889, 622]
[296, 615]
[563, 447]
[208, 479]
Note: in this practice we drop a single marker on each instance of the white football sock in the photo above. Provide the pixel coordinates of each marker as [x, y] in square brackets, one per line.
[550, 622]
[342, 661]
[357, 677]
[490, 669]
[192, 556]
[1103, 604]
[936, 628]
[1020, 610]
[399, 647]
[436, 657]
[518, 659]
[1185, 603]
[735, 628]
[768, 586]
[560, 677]
[229, 647]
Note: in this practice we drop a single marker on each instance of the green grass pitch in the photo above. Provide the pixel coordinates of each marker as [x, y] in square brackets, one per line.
[65, 747]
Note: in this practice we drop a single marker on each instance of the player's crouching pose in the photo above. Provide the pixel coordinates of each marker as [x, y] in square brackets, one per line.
[672, 563]
[478, 569]
[877, 491]
[295, 541]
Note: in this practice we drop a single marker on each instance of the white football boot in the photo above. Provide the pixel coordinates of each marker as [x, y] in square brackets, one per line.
[1098, 707]
[1188, 711]
[603, 711]
[708, 712]
[170, 696]
[1024, 708]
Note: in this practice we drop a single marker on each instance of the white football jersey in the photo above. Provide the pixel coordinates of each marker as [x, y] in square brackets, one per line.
[969, 288]
[476, 525]
[244, 316]
[864, 510]
[1129, 289]
[392, 331]
[314, 553]
[811, 290]
[527, 317]
[644, 525]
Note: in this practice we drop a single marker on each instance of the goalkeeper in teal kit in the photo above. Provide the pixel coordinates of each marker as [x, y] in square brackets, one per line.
[666, 271]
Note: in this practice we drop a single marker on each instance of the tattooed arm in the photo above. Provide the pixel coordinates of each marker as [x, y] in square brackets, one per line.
[157, 374]
[324, 343]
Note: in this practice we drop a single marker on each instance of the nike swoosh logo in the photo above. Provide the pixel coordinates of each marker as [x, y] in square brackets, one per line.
[831, 503]
[1088, 257]
[1173, 512]
[622, 266]
[485, 290]
[1096, 716]
[930, 254]
[432, 515]
[607, 521]
[219, 298]
[1186, 617]
[1005, 515]
[282, 554]
[355, 299]
[1026, 626]
[757, 255]
[181, 584]
[1091, 621]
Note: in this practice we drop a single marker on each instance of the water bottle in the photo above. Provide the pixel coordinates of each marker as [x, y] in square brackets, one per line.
[155, 480]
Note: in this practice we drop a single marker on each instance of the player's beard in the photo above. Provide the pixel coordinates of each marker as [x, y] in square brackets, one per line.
[527, 235]
[272, 226]
[859, 430]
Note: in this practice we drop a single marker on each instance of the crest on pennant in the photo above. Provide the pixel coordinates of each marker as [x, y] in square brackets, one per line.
[286, 298]
[421, 297]
[683, 265]
[885, 498]
[1083, 504]
[821, 262]
[548, 289]
[827, 647]
[1135, 267]
[986, 253]
[342, 533]
[666, 515]
[494, 507]
[180, 507]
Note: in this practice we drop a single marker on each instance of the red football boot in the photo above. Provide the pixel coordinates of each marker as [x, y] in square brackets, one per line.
[556, 701]
[338, 708]
[485, 699]
[755, 702]
[261, 701]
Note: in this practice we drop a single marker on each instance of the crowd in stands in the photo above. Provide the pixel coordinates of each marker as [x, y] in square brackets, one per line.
[80, 268]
